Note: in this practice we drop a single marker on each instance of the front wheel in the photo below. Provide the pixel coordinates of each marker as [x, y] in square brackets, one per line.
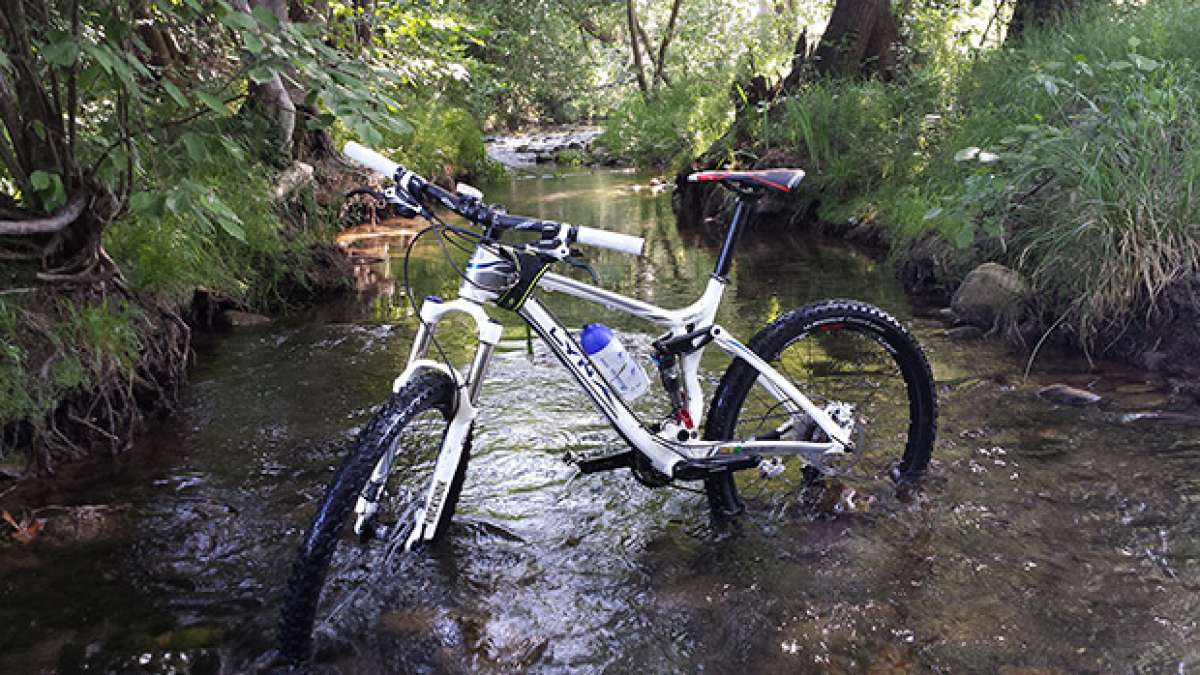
[857, 363]
[407, 433]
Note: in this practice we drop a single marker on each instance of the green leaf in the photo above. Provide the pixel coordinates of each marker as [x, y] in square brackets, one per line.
[1134, 41]
[148, 203]
[254, 44]
[197, 150]
[175, 94]
[234, 150]
[63, 52]
[266, 17]
[225, 217]
[932, 213]
[215, 104]
[50, 189]
[262, 74]
[4, 62]
[322, 121]
[1051, 88]
[40, 180]
[103, 56]
[964, 237]
[239, 21]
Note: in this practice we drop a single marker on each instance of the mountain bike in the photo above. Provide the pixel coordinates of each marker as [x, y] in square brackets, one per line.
[829, 393]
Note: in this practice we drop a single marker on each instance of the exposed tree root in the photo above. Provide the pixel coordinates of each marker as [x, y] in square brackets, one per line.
[107, 415]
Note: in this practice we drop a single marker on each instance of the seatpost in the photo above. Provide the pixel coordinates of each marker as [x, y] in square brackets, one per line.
[725, 259]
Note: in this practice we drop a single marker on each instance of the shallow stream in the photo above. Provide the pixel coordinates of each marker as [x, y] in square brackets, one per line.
[1050, 539]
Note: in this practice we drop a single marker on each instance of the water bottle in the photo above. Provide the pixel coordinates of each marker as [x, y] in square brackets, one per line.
[617, 366]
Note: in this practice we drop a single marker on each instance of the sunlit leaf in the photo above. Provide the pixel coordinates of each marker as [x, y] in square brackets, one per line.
[1143, 64]
[966, 154]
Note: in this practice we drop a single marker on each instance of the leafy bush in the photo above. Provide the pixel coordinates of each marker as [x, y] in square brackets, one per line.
[671, 126]
[1073, 158]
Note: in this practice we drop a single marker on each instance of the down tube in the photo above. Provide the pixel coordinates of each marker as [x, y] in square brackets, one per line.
[607, 401]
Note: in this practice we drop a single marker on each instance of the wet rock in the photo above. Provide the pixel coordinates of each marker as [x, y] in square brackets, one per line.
[1156, 417]
[991, 293]
[1063, 394]
[73, 525]
[1153, 361]
[965, 333]
[239, 319]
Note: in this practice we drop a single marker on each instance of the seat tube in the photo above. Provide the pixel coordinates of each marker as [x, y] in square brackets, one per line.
[725, 258]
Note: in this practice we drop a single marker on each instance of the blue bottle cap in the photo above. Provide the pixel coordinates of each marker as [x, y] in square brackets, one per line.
[595, 337]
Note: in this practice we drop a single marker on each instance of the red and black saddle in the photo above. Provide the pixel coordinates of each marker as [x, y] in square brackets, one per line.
[780, 180]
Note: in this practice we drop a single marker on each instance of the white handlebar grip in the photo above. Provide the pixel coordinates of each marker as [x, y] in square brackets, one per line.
[590, 236]
[371, 159]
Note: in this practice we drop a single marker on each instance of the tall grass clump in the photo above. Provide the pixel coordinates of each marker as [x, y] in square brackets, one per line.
[672, 125]
[1074, 157]
[853, 138]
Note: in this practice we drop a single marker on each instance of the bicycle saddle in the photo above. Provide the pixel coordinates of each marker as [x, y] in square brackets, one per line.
[781, 180]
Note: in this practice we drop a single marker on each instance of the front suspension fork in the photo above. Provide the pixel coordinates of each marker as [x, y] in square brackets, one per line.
[467, 391]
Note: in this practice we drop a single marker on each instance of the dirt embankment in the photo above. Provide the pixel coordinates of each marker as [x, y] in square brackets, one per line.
[98, 359]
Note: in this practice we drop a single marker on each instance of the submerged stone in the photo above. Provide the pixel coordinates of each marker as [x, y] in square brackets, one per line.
[1063, 394]
[236, 319]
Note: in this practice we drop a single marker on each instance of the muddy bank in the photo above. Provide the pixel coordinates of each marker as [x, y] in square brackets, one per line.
[96, 361]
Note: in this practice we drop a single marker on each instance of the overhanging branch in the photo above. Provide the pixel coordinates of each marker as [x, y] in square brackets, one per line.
[56, 221]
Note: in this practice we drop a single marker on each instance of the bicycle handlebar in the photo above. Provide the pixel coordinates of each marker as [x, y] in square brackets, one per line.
[482, 214]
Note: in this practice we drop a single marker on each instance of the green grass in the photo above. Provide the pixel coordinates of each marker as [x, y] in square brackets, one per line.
[668, 128]
[59, 347]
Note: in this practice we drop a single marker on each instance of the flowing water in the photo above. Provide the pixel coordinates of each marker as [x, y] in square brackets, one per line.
[1050, 539]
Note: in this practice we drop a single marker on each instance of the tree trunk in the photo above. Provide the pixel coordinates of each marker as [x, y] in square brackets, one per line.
[272, 96]
[1030, 13]
[860, 39]
[638, 69]
[660, 73]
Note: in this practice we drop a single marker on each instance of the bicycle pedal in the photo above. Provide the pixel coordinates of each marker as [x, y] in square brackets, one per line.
[596, 464]
[709, 467]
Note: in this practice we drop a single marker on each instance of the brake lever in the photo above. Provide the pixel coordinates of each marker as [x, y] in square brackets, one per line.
[404, 205]
[577, 261]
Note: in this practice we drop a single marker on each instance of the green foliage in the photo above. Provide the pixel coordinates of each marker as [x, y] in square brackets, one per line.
[444, 141]
[671, 126]
[1068, 157]
[209, 220]
[78, 344]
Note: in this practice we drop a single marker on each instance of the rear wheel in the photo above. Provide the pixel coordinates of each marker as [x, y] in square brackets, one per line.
[860, 365]
[409, 428]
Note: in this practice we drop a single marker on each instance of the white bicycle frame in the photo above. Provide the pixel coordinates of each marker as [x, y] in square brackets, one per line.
[663, 450]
